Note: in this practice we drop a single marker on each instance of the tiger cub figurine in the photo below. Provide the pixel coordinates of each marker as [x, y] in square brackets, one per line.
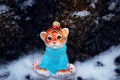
[55, 59]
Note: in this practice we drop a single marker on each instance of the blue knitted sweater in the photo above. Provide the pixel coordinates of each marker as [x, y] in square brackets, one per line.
[55, 59]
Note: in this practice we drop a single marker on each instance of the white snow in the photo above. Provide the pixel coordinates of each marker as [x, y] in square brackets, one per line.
[27, 18]
[3, 8]
[17, 17]
[25, 4]
[108, 17]
[92, 4]
[81, 13]
[112, 6]
[28, 3]
[22, 67]
[87, 70]
[96, 20]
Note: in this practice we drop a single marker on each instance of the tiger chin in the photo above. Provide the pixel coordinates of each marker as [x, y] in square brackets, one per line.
[55, 59]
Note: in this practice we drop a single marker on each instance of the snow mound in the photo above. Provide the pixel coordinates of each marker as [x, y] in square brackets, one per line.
[100, 67]
[20, 69]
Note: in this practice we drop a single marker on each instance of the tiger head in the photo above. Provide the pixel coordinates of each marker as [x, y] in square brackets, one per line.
[55, 37]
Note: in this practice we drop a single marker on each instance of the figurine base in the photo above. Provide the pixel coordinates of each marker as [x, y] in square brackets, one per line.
[59, 75]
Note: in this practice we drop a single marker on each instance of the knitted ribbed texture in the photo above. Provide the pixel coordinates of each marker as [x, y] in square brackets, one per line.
[55, 59]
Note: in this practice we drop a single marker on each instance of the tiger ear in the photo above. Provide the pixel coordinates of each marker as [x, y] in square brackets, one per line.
[42, 35]
[65, 31]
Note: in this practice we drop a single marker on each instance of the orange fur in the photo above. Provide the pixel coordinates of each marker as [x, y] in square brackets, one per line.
[64, 71]
[54, 32]
[55, 37]
[40, 69]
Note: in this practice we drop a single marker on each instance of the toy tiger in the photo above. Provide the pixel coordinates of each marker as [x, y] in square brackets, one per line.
[55, 59]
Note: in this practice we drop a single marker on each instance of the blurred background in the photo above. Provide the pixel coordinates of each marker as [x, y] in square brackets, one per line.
[94, 26]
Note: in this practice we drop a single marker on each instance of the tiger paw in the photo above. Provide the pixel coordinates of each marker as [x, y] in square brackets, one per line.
[36, 65]
[43, 72]
[40, 71]
[62, 73]
[71, 68]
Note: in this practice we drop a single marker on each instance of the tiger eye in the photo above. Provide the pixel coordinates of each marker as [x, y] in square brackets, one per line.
[49, 37]
[59, 36]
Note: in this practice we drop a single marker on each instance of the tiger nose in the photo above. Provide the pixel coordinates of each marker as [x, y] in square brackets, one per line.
[54, 42]
[54, 39]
